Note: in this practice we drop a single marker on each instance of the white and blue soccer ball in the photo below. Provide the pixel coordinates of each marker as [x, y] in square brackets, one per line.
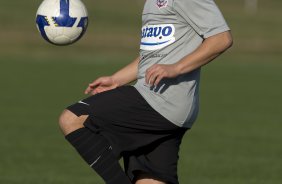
[62, 22]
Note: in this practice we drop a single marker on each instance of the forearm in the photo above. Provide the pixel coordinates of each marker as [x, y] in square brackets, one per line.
[127, 74]
[207, 51]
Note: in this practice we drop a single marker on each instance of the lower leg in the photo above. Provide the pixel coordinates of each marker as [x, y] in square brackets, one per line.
[93, 148]
[98, 154]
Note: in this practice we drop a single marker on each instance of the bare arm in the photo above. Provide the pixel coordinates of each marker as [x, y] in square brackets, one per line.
[211, 48]
[127, 74]
[206, 52]
[124, 76]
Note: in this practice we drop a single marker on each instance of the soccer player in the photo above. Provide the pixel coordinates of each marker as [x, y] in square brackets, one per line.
[144, 123]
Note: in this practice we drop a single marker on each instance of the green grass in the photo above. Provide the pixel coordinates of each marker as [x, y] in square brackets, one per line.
[236, 138]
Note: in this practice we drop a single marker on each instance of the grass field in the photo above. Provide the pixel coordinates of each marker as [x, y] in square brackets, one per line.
[236, 139]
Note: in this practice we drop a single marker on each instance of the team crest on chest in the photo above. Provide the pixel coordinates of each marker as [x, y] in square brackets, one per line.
[162, 3]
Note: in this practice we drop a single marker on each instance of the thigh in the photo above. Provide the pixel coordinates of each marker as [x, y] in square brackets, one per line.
[157, 161]
[121, 105]
[125, 118]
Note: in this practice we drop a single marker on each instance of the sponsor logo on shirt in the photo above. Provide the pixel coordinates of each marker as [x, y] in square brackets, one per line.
[153, 56]
[162, 3]
[155, 37]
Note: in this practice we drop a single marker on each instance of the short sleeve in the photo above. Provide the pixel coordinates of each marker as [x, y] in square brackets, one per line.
[203, 15]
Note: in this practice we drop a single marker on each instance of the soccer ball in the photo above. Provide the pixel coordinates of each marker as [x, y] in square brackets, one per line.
[62, 22]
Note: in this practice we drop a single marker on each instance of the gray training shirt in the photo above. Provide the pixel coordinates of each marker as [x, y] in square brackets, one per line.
[171, 30]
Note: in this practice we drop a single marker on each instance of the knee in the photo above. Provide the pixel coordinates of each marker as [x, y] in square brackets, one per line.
[148, 181]
[144, 178]
[65, 118]
[69, 122]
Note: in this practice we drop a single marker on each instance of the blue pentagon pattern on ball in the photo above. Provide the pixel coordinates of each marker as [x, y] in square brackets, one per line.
[62, 22]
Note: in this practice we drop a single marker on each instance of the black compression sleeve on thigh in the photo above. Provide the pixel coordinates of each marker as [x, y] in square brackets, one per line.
[97, 152]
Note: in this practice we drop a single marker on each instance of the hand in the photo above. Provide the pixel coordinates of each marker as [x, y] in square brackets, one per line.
[157, 72]
[101, 84]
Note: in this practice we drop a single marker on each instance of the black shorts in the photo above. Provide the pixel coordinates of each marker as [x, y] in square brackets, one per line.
[147, 141]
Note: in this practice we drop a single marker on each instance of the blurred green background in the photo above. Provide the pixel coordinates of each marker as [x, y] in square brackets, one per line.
[236, 139]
